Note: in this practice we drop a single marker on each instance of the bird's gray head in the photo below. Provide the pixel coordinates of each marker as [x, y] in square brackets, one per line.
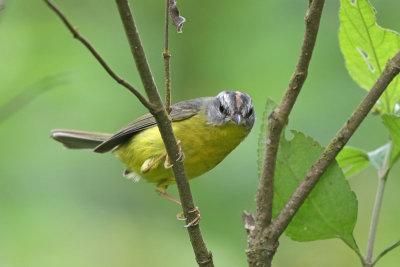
[231, 107]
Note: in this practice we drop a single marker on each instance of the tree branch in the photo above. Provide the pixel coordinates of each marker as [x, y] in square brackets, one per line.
[203, 256]
[156, 108]
[167, 56]
[279, 116]
[256, 251]
[102, 62]
[280, 223]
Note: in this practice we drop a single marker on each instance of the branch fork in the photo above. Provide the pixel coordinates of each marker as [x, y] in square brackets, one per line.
[263, 237]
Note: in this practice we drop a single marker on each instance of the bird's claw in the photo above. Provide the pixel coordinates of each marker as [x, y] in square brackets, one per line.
[194, 222]
[180, 216]
[167, 165]
[181, 157]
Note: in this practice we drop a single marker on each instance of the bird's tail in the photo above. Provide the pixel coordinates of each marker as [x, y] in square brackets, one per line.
[79, 139]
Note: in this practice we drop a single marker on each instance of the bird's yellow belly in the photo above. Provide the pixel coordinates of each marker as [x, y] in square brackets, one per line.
[204, 147]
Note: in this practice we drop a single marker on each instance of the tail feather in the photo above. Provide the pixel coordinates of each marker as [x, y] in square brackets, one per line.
[79, 139]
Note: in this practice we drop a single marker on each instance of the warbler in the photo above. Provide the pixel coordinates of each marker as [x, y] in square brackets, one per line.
[207, 130]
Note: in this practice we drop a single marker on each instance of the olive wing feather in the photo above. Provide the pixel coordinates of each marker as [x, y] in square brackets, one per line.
[179, 111]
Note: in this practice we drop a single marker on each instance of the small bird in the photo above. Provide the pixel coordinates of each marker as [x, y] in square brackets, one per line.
[207, 130]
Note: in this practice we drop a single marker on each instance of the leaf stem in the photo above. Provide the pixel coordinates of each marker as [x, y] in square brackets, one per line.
[355, 249]
[374, 219]
[382, 177]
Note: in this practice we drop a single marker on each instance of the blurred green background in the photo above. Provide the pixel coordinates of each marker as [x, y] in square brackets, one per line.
[74, 208]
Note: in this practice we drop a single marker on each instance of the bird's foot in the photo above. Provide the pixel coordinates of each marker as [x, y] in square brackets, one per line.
[181, 157]
[180, 216]
[181, 154]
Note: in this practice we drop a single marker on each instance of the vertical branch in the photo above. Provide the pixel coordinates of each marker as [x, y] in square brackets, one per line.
[203, 256]
[279, 116]
[167, 56]
[260, 252]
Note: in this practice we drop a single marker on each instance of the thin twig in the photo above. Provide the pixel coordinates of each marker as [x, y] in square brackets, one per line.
[319, 167]
[203, 256]
[102, 62]
[167, 56]
[256, 252]
[385, 251]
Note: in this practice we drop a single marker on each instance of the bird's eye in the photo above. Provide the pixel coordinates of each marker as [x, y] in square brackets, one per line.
[222, 109]
[251, 111]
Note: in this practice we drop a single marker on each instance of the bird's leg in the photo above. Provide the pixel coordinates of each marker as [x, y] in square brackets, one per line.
[169, 197]
[161, 190]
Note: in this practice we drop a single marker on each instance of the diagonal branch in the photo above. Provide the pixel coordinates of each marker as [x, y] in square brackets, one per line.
[102, 62]
[280, 223]
[203, 256]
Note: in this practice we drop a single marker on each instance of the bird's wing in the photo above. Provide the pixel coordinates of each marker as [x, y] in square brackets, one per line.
[179, 111]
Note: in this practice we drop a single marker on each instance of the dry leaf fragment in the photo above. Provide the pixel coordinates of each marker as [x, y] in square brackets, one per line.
[177, 20]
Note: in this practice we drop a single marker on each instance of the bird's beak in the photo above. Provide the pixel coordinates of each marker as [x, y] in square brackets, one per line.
[237, 118]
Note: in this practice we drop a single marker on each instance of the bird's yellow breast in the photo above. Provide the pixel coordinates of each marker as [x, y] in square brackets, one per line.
[203, 144]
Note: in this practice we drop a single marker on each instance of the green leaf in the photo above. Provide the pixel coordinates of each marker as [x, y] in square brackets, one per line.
[392, 123]
[330, 211]
[262, 138]
[352, 160]
[367, 47]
